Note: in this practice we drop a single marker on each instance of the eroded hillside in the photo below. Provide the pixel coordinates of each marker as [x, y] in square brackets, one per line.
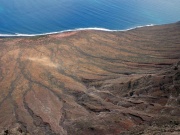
[92, 83]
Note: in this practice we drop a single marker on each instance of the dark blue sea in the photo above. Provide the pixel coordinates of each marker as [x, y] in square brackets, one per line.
[46, 16]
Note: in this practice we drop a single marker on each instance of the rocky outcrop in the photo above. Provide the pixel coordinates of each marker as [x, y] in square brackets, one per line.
[91, 83]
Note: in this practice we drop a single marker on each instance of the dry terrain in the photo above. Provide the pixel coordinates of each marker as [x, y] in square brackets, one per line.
[91, 83]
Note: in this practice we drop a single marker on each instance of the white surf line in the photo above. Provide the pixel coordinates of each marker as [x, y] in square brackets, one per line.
[71, 30]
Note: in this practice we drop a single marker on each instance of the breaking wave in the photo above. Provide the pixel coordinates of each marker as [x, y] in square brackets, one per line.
[71, 30]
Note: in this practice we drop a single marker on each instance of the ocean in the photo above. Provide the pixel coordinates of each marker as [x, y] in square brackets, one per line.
[19, 17]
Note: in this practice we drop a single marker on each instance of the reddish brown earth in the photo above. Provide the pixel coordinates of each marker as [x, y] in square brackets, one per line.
[92, 83]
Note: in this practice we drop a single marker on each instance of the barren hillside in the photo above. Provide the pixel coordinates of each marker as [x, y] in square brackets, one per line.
[92, 83]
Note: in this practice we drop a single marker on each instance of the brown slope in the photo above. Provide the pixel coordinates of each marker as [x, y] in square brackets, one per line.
[91, 82]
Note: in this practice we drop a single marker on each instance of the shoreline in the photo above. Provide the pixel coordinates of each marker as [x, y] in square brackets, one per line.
[72, 30]
[79, 29]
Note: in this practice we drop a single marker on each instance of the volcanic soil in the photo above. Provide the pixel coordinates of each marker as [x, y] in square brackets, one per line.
[92, 82]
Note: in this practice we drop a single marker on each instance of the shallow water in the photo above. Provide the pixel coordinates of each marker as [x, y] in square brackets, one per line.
[45, 16]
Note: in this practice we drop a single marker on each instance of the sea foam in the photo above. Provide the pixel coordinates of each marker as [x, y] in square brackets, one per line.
[71, 30]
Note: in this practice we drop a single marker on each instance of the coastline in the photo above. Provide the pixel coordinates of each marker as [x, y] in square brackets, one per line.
[73, 30]
[80, 29]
